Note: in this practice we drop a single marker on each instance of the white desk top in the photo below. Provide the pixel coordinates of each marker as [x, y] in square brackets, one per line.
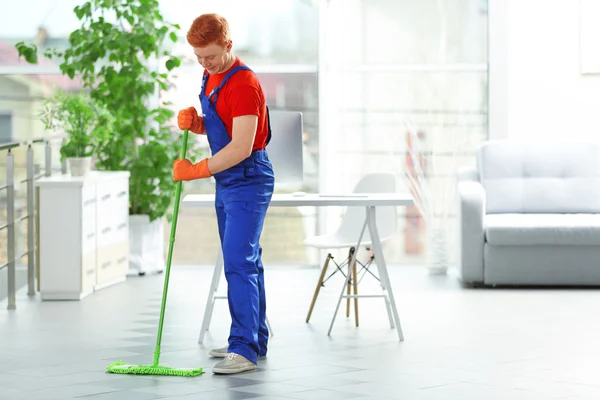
[315, 200]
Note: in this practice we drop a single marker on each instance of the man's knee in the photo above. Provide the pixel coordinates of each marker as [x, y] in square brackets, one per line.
[240, 263]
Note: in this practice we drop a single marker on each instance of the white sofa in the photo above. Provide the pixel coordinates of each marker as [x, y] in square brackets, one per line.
[529, 214]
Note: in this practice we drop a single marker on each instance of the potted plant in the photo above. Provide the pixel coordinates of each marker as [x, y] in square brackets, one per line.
[125, 62]
[85, 123]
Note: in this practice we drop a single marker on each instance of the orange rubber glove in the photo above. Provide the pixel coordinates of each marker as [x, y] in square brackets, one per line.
[189, 119]
[184, 170]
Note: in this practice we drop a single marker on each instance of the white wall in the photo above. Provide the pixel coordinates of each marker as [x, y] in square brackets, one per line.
[536, 88]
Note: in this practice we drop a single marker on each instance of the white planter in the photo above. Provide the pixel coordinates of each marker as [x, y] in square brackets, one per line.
[146, 245]
[437, 252]
[80, 166]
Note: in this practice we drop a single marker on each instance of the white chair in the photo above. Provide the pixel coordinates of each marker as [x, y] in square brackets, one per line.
[348, 232]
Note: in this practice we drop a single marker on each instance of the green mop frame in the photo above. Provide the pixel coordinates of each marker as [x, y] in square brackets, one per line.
[120, 367]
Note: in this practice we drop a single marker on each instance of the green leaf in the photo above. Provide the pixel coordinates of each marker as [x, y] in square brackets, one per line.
[173, 36]
[27, 52]
[79, 12]
[170, 64]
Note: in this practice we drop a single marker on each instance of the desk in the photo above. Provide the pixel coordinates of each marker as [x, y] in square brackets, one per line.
[369, 201]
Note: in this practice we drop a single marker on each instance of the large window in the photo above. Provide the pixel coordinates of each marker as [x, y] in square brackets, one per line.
[394, 66]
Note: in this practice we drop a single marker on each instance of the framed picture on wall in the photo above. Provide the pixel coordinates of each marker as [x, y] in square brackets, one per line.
[589, 36]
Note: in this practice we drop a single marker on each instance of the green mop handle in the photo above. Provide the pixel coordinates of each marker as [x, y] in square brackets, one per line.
[170, 254]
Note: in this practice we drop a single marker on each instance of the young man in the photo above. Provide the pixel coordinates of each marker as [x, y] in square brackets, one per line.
[235, 120]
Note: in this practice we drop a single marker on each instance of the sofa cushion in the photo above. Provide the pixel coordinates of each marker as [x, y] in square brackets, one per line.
[542, 229]
[541, 177]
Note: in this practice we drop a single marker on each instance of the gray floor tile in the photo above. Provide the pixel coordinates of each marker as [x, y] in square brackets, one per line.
[120, 395]
[321, 382]
[172, 389]
[378, 390]
[131, 382]
[215, 382]
[9, 393]
[214, 395]
[294, 373]
[323, 394]
[278, 389]
[271, 398]
[59, 393]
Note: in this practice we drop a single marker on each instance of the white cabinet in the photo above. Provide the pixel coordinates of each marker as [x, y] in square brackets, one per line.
[84, 233]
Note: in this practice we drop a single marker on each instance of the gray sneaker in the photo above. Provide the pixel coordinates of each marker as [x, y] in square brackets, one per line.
[220, 352]
[233, 364]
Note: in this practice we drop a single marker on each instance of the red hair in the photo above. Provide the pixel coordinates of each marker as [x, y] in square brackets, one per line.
[208, 29]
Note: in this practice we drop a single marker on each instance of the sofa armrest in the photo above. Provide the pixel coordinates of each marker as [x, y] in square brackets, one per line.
[471, 234]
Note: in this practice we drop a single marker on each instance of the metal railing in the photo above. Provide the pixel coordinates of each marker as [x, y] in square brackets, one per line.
[33, 173]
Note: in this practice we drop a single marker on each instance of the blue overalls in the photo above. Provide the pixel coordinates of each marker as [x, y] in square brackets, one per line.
[243, 194]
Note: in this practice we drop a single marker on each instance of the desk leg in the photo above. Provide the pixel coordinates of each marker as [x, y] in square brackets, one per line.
[210, 302]
[348, 277]
[382, 268]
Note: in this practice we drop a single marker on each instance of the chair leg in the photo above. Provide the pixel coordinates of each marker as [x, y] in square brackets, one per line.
[355, 282]
[318, 288]
[349, 285]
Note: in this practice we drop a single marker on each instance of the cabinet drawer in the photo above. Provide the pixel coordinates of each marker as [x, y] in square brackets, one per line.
[113, 209]
[121, 233]
[105, 235]
[122, 258]
[88, 272]
[88, 242]
[88, 228]
[104, 262]
[113, 262]
[113, 195]
[112, 232]
[122, 195]
[88, 196]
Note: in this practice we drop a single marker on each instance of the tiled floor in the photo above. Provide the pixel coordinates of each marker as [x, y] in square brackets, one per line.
[459, 343]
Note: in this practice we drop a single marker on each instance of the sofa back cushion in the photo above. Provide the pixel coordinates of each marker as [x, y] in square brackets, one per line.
[542, 177]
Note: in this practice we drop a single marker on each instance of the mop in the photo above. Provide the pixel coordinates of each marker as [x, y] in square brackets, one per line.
[120, 367]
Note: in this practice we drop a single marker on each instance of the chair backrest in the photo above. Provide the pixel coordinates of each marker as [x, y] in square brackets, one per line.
[540, 177]
[354, 217]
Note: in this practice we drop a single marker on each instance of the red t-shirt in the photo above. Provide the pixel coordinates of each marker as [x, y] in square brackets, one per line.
[242, 94]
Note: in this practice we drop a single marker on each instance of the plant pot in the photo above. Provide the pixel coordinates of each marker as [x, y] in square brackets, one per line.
[146, 245]
[80, 166]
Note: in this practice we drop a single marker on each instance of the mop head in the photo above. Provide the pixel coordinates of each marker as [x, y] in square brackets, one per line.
[122, 368]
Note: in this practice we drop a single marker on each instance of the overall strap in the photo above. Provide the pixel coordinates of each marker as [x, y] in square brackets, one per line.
[204, 80]
[215, 91]
[269, 126]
